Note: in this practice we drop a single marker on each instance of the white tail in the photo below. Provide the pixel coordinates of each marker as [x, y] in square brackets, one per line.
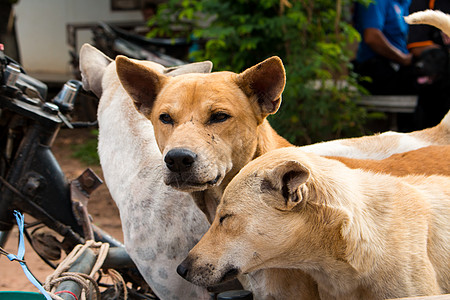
[446, 121]
[431, 17]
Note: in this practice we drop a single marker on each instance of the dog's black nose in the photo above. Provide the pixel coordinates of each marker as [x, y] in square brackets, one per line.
[182, 270]
[179, 160]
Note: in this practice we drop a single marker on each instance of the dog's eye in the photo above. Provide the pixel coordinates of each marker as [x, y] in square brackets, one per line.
[219, 117]
[222, 218]
[166, 118]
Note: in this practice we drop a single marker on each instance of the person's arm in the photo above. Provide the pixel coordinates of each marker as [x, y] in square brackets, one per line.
[380, 45]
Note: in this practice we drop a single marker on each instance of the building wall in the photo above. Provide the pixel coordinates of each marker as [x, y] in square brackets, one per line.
[41, 30]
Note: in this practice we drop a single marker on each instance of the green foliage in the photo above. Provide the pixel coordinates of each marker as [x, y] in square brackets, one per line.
[313, 38]
[87, 152]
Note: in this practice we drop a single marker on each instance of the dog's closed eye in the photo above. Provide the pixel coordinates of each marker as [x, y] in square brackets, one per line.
[222, 218]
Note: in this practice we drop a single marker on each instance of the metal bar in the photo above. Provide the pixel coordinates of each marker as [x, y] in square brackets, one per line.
[118, 258]
[104, 237]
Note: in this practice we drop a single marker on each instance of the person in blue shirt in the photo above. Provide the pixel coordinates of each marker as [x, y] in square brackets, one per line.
[382, 53]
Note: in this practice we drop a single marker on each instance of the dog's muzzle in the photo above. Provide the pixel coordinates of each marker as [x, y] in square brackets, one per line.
[206, 275]
[186, 173]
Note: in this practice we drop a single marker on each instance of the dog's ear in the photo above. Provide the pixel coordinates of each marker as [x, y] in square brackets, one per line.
[92, 65]
[288, 179]
[141, 83]
[266, 82]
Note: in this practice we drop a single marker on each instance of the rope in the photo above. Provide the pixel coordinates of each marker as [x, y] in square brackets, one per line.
[60, 274]
[82, 279]
[117, 279]
[101, 256]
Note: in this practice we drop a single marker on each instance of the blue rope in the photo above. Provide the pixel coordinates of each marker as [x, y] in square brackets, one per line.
[20, 254]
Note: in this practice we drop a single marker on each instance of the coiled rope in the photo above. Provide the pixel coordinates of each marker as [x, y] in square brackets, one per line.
[85, 281]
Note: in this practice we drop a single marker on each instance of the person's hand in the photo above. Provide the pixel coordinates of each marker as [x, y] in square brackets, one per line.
[406, 59]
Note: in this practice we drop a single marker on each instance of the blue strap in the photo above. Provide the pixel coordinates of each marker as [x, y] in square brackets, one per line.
[20, 254]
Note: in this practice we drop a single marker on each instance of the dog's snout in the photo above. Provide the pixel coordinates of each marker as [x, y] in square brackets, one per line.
[182, 270]
[179, 160]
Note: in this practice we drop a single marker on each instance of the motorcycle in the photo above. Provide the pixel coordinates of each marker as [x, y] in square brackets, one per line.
[32, 182]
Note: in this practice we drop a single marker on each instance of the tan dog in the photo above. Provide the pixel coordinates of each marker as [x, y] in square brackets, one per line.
[207, 126]
[360, 235]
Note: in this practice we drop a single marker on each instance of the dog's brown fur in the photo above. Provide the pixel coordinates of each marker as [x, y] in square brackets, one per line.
[360, 235]
[431, 160]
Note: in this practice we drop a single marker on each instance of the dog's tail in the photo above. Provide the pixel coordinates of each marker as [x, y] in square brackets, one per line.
[445, 123]
[431, 17]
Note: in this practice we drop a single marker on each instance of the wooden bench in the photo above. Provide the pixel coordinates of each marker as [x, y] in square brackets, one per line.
[391, 105]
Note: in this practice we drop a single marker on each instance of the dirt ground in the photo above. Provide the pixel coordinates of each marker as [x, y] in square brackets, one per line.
[101, 207]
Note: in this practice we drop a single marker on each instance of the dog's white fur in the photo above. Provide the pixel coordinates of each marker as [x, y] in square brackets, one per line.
[159, 223]
[360, 235]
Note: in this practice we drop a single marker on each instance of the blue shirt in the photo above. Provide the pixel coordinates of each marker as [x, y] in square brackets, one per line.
[387, 16]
